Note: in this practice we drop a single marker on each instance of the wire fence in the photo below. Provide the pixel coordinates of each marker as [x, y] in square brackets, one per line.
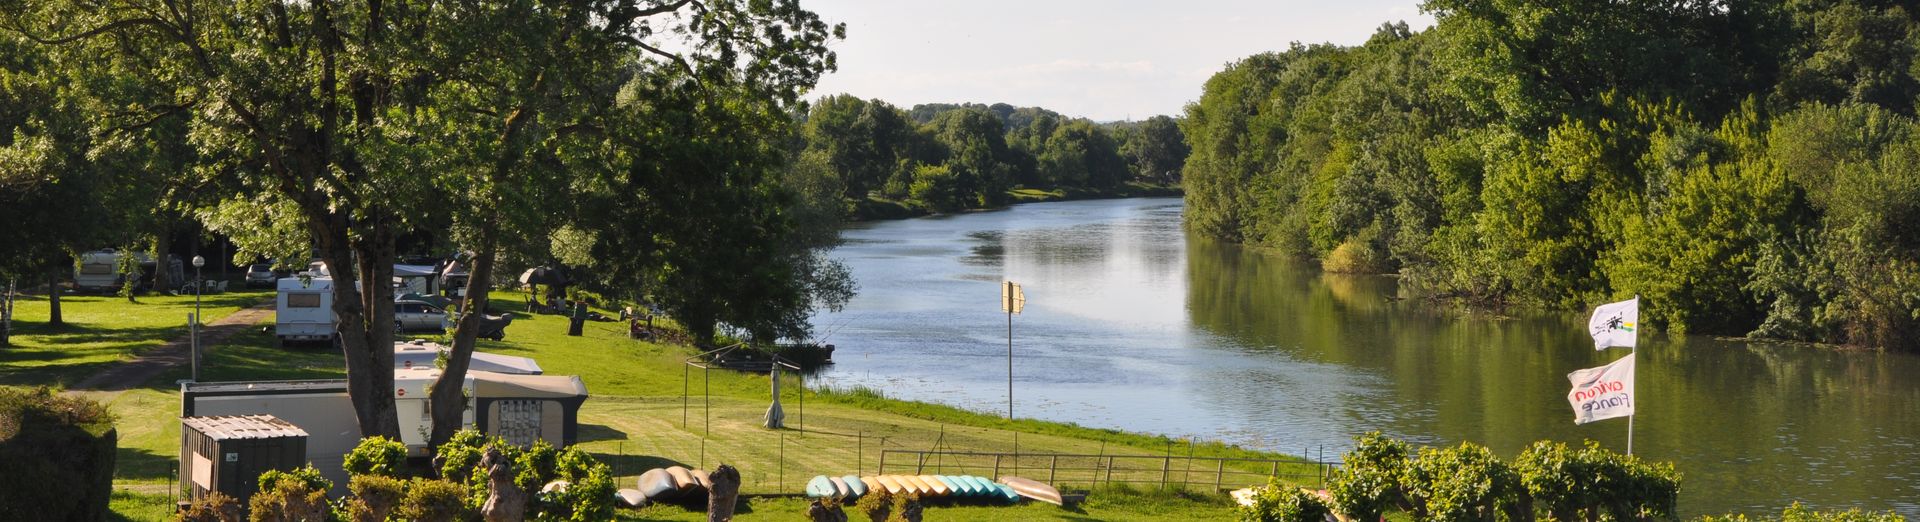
[1063, 470]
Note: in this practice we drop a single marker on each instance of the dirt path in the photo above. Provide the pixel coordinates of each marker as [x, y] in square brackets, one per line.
[151, 364]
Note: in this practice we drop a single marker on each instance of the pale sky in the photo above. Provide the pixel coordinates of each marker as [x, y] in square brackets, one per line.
[1108, 60]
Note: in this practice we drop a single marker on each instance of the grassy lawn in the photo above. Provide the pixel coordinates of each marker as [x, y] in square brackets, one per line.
[99, 331]
[634, 422]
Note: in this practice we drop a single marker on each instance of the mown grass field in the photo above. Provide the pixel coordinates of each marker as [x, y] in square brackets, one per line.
[638, 419]
[100, 330]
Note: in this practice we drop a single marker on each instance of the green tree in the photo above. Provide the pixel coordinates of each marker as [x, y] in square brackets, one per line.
[976, 151]
[1157, 150]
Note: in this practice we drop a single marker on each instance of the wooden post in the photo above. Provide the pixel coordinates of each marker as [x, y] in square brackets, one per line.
[996, 466]
[1219, 474]
[1053, 466]
[1109, 470]
[1276, 470]
[881, 469]
[1166, 467]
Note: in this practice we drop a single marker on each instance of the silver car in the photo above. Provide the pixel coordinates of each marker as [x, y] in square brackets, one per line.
[416, 316]
[261, 275]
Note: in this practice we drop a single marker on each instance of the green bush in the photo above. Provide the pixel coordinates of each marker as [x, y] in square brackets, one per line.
[1368, 484]
[377, 455]
[374, 497]
[288, 499]
[1799, 513]
[1283, 503]
[307, 477]
[1462, 483]
[589, 495]
[215, 507]
[59, 454]
[1592, 483]
[435, 501]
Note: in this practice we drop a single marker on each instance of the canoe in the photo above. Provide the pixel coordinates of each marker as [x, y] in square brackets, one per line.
[1006, 492]
[954, 484]
[1033, 490]
[982, 486]
[820, 487]
[940, 488]
[704, 477]
[656, 483]
[887, 484]
[683, 478]
[855, 485]
[840, 489]
[629, 497]
[914, 485]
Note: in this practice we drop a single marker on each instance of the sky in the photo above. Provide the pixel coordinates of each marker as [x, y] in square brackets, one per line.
[1103, 60]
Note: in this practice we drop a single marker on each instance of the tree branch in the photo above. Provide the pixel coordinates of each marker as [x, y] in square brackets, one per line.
[97, 31]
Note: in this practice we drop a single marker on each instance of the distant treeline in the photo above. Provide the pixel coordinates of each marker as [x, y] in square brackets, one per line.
[1747, 167]
[945, 157]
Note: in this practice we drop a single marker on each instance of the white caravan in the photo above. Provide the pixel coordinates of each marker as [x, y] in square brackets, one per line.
[303, 310]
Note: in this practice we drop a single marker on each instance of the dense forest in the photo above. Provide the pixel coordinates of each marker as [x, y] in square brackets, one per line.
[1750, 168]
[947, 157]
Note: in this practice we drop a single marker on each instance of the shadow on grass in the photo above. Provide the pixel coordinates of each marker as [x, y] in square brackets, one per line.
[595, 433]
[631, 465]
[141, 465]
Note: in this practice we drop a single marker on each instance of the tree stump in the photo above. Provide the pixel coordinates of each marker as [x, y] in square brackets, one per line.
[722, 495]
[505, 501]
[818, 511]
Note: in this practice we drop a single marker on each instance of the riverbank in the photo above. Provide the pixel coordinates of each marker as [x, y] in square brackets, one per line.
[880, 209]
[639, 418]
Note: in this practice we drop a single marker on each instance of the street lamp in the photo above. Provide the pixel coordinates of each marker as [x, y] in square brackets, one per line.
[197, 285]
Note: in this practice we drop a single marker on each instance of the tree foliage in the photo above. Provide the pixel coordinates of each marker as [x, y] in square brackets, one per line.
[1711, 157]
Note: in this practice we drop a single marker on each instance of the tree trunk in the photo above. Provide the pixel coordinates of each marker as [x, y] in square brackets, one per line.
[6, 317]
[365, 318]
[163, 258]
[724, 495]
[448, 400]
[53, 298]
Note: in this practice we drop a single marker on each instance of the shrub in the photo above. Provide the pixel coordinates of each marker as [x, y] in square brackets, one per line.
[1283, 503]
[374, 497]
[287, 499]
[1592, 483]
[59, 454]
[1799, 513]
[435, 501]
[1368, 484]
[377, 455]
[1461, 483]
[877, 505]
[588, 497]
[307, 477]
[215, 507]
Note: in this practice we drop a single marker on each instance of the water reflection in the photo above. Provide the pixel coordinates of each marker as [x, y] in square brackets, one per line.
[1131, 324]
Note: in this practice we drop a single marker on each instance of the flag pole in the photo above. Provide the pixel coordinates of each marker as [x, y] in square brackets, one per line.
[1634, 352]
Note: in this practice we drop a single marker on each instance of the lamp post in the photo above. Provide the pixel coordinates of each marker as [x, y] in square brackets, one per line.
[197, 286]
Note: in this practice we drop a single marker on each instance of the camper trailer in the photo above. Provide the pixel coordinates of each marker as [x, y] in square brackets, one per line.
[99, 271]
[420, 353]
[303, 310]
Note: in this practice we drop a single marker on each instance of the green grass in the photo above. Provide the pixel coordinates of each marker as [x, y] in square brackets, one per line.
[99, 331]
[634, 422]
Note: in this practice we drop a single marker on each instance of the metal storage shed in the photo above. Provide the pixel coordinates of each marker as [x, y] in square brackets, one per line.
[228, 453]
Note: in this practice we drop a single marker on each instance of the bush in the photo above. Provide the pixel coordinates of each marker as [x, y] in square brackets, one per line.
[435, 501]
[59, 454]
[1799, 513]
[1463, 483]
[307, 477]
[1593, 483]
[374, 498]
[215, 507]
[377, 455]
[1283, 503]
[287, 499]
[876, 506]
[588, 497]
[1368, 484]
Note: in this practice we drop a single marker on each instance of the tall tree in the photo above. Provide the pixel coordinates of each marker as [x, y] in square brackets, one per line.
[1156, 150]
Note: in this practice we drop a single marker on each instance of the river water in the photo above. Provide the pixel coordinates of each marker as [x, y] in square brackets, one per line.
[1132, 324]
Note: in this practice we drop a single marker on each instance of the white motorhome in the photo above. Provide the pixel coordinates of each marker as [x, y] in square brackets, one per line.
[303, 310]
[99, 270]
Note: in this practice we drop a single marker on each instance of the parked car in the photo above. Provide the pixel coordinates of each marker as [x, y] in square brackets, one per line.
[261, 275]
[414, 316]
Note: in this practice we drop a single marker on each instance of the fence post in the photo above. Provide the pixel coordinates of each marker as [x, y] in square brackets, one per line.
[881, 468]
[1109, 470]
[996, 466]
[1276, 470]
[1166, 466]
[1053, 466]
[1219, 474]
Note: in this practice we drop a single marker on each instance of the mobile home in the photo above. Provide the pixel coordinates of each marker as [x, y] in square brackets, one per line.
[99, 270]
[303, 310]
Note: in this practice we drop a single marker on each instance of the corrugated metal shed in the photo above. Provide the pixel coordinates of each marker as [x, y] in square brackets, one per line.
[228, 453]
[242, 427]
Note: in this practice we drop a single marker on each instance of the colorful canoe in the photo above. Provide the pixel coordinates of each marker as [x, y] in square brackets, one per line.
[821, 487]
[628, 497]
[703, 477]
[1006, 492]
[1033, 489]
[840, 489]
[959, 488]
[855, 485]
[982, 486]
[888, 484]
[683, 479]
[940, 488]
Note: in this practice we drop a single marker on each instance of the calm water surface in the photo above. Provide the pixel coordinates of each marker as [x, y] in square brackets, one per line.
[1132, 324]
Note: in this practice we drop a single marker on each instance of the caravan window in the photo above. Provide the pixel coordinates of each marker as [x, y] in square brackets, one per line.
[303, 300]
[96, 269]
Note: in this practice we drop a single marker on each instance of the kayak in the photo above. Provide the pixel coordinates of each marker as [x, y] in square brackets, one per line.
[855, 485]
[821, 487]
[940, 488]
[840, 489]
[1033, 489]
[657, 484]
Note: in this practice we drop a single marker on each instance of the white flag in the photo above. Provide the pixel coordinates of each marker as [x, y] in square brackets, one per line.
[1602, 393]
[1615, 324]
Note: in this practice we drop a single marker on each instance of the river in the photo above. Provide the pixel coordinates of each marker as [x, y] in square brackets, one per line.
[1133, 324]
